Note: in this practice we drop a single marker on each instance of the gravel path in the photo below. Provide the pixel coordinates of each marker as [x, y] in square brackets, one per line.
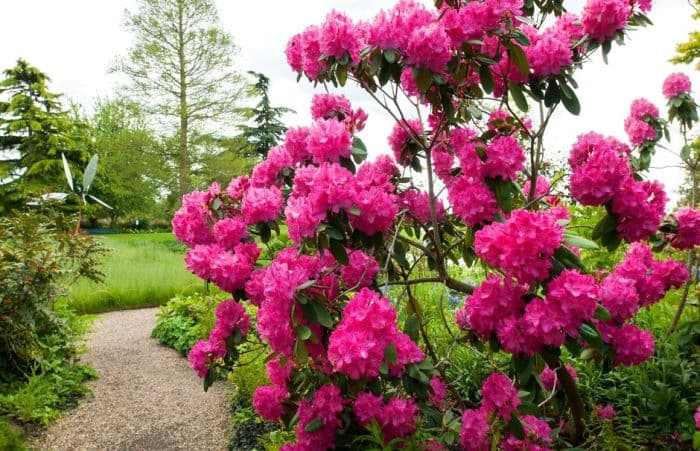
[146, 397]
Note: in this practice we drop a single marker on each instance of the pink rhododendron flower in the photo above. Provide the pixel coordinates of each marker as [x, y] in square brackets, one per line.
[494, 300]
[403, 140]
[360, 271]
[230, 315]
[606, 412]
[418, 204]
[190, 221]
[278, 373]
[639, 207]
[472, 200]
[267, 401]
[475, 429]
[603, 18]
[549, 378]
[428, 47]
[676, 84]
[229, 232]
[237, 187]
[570, 24]
[522, 246]
[202, 354]
[619, 296]
[325, 405]
[537, 436]
[367, 407]
[499, 396]
[296, 144]
[637, 125]
[632, 345]
[261, 204]
[541, 187]
[330, 106]
[377, 211]
[504, 158]
[311, 62]
[329, 140]
[398, 418]
[267, 173]
[549, 53]
[340, 36]
[574, 298]
[688, 235]
[439, 391]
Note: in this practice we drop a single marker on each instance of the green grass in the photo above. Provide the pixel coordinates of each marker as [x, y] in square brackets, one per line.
[142, 270]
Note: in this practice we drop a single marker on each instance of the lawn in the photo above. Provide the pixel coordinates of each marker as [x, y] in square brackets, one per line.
[141, 270]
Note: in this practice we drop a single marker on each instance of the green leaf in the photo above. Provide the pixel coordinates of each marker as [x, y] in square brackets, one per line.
[523, 368]
[486, 78]
[579, 242]
[602, 313]
[518, 97]
[424, 79]
[306, 285]
[390, 354]
[604, 226]
[516, 55]
[412, 327]
[90, 171]
[338, 250]
[591, 335]
[569, 99]
[324, 318]
[341, 74]
[515, 426]
[552, 96]
[66, 169]
[314, 425]
[303, 332]
[390, 56]
[209, 379]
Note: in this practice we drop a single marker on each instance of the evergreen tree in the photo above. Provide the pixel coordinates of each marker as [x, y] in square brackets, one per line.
[268, 129]
[34, 131]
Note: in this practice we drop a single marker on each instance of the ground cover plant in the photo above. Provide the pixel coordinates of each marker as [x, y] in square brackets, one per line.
[466, 203]
[141, 270]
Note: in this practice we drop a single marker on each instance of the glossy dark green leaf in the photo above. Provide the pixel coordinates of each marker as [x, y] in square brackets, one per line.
[486, 78]
[338, 250]
[579, 242]
[390, 354]
[314, 425]
[518, 97]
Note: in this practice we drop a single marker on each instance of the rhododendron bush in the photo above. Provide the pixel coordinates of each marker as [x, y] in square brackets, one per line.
[464, 184]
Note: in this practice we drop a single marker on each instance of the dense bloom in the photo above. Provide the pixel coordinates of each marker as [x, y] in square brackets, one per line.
[574, 298]
[549, 53]
[619, 296]
[202, 354]
[499, 395]
[329, 140]
[537, 436]
[418, 204]
[639, 207]
[267, 173]
[229, 232]
[339, 36]
[230, 315]
[278, 373]
[504, 158]
[606, 412]
[396, 418]
[377, 210]
[599, 169]
[261, 204]
[494, 300]
[676, 84]
[522, 246]
[471, 200]
[360, 270]
[475, 429]
[603, 18]
[325, 406]
[428, 47]
[439, 391]
[267, 401]
[632, 345]
[190, 221]
[329, 106]
[688, 234]
[541, 187]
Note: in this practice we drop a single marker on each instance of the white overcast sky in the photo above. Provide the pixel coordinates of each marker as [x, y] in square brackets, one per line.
[75, 41]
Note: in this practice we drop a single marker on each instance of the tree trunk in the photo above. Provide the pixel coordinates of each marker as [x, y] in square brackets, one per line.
[183, 160]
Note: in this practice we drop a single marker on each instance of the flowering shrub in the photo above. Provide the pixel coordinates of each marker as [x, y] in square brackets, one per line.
[342, 368]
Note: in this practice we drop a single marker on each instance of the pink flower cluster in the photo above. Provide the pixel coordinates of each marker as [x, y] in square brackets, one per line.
[360, 270]
[606, 412]
[337, 106]
[639, 207]
[357, 346]
[688, 233]
[500, 398]
[325, 406]
[418, 205]
[396, 418]
[639, 124]
[190, 221]
[523, 245]
[230, 316]
[404, 140]
[602, 19]
[549, 378]
[675, 85]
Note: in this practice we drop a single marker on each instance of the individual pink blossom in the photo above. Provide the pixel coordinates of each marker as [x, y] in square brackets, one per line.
[696, 417]
[229, 232]
[499, 395]
[688, 234]
[229, 270]
[202, 354]
[639, 131]
[522, 246]
[472, 200]
[494, 300]
[190, 221]
[504, 158]
[442, 164]
[428, 47]
[360, 270]
[541, 324]
[311, 64]
[278, 373]
[644, 5]
[602, 19]
[294, 53]
[377, 210]
[541, 187]
[638, 265]
[574, 297]
[639, 207]
[672, 273]
[537, 436]
[516, 334]
[550, 53]
[325, 405]
[676, 84]
[267, 172]
[302, 218]
[475, 429]
[340, 36]
[418, 205]
[588, 143]
[268, 401]
[632, 345]
[606, 412]
[330, 106]
[296, 144]
[237, 187]
[398, 418]
[329, 140]
[367, 407]
[619, 296]
[403, 140]
[439, 391]
[549, 378]
[230, 315]
[570, 24]
[261, 204]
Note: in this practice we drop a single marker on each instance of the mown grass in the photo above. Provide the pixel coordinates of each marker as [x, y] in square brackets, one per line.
[141, 270]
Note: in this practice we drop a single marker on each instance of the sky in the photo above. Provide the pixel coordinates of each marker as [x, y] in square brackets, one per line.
[76, 41]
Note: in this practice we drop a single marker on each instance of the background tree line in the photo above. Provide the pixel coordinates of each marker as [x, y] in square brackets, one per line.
[180, 121]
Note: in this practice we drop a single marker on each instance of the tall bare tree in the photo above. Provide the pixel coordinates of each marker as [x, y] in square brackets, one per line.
[181, 71]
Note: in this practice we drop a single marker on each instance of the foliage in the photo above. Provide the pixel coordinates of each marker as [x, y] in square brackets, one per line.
[34, 131]
[268, 129]
[184, 320]
[689, 51]
[141, 270]
[181, 73]
[11, 438]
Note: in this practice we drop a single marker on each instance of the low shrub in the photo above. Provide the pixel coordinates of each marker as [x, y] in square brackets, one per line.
[184, 320]
[11, 437]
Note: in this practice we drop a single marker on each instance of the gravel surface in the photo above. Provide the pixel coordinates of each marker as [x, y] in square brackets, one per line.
[146, 397]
